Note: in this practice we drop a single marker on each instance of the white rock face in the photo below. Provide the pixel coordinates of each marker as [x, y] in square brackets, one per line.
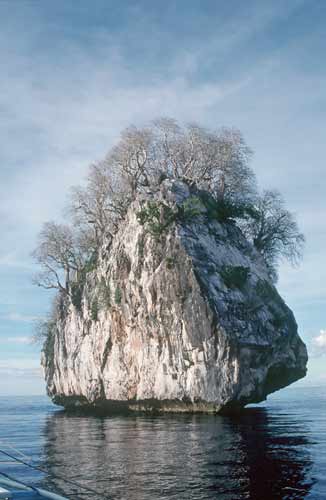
[175, 328]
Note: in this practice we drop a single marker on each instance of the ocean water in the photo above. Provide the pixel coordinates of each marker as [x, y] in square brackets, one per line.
[275, 450]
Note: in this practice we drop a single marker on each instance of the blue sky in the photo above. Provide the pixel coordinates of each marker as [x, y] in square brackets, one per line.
[73, 74]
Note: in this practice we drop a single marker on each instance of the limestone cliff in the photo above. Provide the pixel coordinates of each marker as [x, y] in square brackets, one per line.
[179, 315]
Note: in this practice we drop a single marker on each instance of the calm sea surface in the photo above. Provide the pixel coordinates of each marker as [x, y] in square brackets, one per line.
[276, 450]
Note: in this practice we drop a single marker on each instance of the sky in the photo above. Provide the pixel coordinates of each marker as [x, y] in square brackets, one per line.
[74, 74]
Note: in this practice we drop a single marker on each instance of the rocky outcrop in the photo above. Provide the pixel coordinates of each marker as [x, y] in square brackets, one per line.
[179, 315]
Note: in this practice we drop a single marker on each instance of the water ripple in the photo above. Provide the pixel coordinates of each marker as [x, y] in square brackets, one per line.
[272, 451]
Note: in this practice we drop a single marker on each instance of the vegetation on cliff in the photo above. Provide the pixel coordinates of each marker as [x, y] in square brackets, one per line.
[215, 164]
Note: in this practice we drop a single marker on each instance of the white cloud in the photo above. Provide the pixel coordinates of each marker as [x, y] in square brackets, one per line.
[318, 345]
[20, 368]
[10, 260]
[21, 376]
[17, 317]
[320, 341]
[24, 318]
[19, 340]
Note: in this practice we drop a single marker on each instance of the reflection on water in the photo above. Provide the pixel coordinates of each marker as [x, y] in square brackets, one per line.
[259, 455]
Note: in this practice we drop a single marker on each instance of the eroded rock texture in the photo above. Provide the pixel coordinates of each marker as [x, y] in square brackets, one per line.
[186, 320]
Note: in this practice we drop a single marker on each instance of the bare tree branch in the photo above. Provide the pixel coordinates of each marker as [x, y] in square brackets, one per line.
[274, 231]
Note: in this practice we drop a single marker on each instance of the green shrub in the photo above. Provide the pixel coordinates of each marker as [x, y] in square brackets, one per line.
[235, 276]
[76, 293]
[225, 210]
[149, 213]
[91, 264]
[44, 334]
[192, 207]
[157, 217]
[94, 310]
[77, 286]
[266, 291]
[118, 295]
[104, 292]
[141, 245]
[211, 269]
[170, 262]
[278, 320]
